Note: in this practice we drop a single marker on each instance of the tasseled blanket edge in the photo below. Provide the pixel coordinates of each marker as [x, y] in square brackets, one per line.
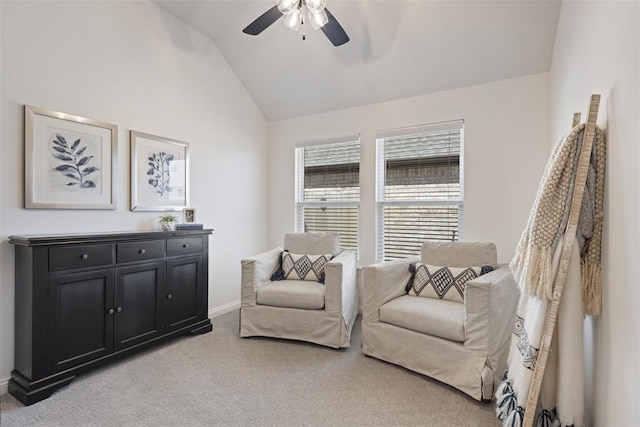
[512, 415]
[532, 271]
[507, 408]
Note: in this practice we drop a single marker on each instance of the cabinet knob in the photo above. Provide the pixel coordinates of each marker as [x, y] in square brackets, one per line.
[119, 309]
[169, 296]
[110, 311]
[142, 251]
[185, 245]
[84, 256]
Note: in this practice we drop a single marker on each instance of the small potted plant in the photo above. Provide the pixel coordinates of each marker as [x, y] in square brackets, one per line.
[168, 222]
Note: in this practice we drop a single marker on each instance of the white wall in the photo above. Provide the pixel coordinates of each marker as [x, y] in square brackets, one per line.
[506, 148]
[597, 50]
[134, 65]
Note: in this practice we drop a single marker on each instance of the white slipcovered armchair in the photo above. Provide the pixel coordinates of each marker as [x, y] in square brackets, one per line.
[301, 309]
[463, 344]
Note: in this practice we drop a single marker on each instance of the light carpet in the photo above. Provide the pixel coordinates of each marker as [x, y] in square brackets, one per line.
[220, 379]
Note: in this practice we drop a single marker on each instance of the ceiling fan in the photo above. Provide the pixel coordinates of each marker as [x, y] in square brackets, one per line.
[296, 13]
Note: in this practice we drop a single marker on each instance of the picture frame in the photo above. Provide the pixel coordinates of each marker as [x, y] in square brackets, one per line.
[159, 173]
[188, 215]
[70, 161]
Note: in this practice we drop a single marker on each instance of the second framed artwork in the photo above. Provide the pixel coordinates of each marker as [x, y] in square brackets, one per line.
[159, 173]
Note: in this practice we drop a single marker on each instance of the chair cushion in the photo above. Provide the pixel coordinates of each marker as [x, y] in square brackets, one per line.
[440, 318]
[459, 254]
[312, 243]
[292, 294]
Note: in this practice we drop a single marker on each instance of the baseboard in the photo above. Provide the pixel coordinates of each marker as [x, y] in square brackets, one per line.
[214, 312]
[4, 386]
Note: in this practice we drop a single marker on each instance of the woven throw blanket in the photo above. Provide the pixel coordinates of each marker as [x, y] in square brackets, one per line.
[547, 222]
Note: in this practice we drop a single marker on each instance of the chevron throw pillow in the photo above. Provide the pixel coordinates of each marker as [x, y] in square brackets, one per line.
[304, 267]
[446, 283]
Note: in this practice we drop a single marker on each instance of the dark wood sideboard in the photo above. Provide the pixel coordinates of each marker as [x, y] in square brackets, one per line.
[84, 300]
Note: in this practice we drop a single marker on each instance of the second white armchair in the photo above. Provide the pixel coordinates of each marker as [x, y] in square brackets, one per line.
[457, 330]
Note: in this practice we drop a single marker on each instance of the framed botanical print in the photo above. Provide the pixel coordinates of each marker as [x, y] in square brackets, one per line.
[70, 161]
[159, 173]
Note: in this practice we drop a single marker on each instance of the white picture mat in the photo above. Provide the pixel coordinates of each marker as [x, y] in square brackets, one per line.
[48, 184]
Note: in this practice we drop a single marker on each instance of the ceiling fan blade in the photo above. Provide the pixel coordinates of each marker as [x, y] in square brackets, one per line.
[334, 31]
[263, 21]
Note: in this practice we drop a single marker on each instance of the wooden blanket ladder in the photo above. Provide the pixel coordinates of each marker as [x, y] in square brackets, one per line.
[563, 265]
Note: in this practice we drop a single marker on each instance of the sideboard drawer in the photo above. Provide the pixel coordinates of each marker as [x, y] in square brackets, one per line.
[137, 251]
[188, 245]
[79, 256]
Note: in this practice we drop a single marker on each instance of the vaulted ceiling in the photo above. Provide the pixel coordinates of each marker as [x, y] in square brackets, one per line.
[398, 49]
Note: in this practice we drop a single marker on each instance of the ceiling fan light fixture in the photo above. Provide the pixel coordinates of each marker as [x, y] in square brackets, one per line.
[287, 7]
[294, 13]
[316, 6]
[318, 19]
[293, 19]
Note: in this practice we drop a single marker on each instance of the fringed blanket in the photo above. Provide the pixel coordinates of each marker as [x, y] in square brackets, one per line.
[547, 223]
[534, 267]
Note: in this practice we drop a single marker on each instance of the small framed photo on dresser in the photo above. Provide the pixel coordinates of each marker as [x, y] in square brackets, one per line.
[188, 215]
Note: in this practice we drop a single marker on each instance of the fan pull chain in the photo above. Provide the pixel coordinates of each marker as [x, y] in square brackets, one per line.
[304, 36]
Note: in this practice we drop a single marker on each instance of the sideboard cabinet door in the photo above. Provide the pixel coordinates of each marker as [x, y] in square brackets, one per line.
[139, 314]
[80, 325]
[185, 293]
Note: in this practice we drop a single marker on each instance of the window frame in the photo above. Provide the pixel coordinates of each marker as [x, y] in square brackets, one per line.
[380, 185]
[301, 204]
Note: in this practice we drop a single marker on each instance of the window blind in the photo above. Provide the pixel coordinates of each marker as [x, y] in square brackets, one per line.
[328, 189]
[418, 187]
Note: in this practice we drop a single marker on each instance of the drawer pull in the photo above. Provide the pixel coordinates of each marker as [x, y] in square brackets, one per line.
[169, 296]
[84, 256]
[185, 245]
[110, 311]
[142, 251]
[119, 309]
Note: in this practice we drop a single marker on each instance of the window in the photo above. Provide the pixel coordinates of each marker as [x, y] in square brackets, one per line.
[328, 189]
[419, 189]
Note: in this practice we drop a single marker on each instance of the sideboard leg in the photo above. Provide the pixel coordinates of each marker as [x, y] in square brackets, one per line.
[29, 393]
